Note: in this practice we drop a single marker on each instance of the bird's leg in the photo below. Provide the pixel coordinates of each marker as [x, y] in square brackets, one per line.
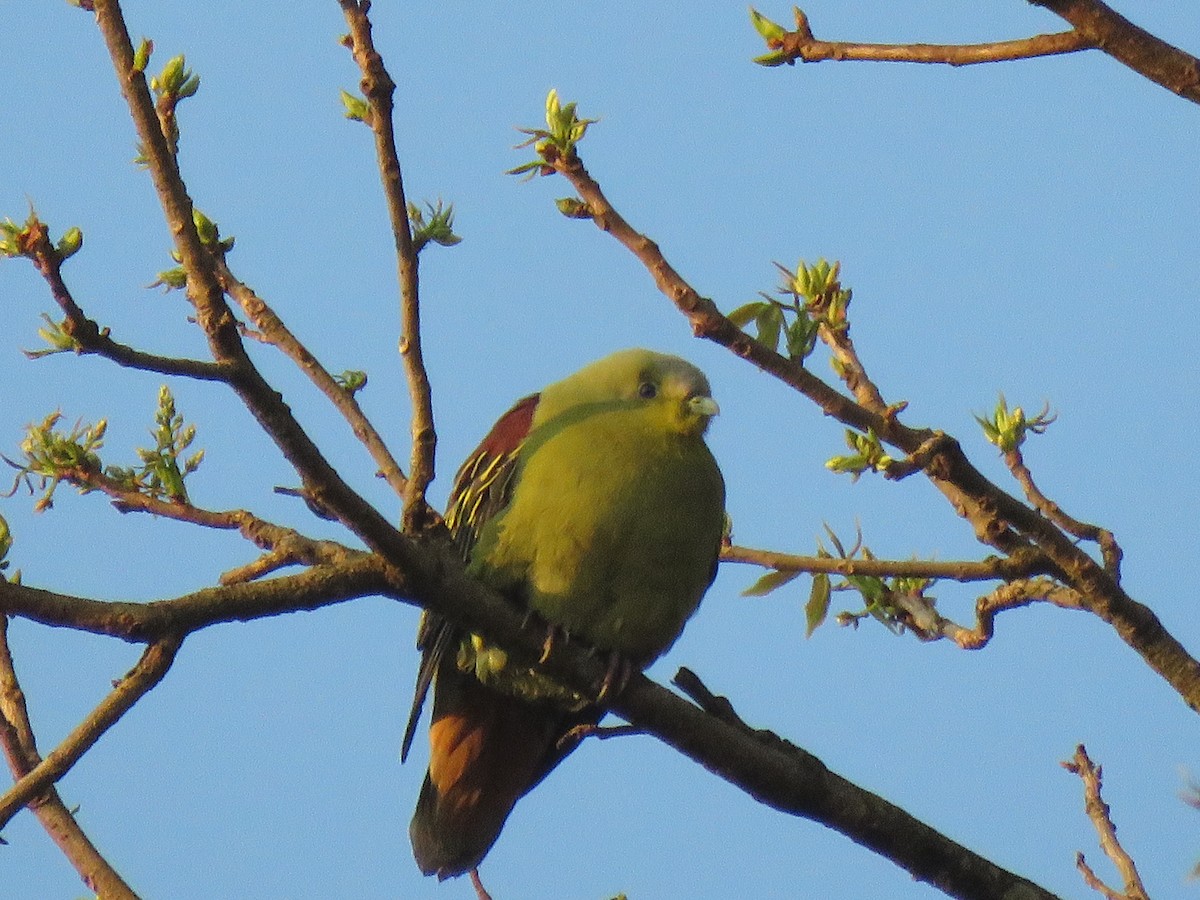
[480, 891]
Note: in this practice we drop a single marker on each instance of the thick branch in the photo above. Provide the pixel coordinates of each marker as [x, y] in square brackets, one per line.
[1103, 27]
[378, 88]
[360, 575]
[793, 781]
[20, 748]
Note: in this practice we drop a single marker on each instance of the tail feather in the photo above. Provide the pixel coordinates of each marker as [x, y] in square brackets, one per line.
[487, 749]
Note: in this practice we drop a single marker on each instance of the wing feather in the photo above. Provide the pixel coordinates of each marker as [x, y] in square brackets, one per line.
[482, 487]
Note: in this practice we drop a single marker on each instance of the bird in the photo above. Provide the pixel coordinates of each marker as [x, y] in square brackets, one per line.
[597, 506]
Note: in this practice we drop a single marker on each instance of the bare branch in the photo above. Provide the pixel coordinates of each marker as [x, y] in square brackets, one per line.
[1098, 811]
[20, 749]
[793, 781]
[1109, 548]
[90, 337]
[148, 672]
[1018, 565]
[921, 616]
[321, 480]
[378, 88]
[272, 330]
[801, 45]
[357, 575]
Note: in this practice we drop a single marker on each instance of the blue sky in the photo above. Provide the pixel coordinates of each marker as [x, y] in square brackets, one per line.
[1026, 227]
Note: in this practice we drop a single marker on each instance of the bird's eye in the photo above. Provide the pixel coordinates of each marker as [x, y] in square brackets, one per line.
[647, 390]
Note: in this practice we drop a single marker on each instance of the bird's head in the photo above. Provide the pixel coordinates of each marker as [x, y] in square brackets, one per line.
[672, 392]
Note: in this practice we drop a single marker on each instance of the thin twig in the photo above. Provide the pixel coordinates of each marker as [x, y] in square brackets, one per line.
[920, 615]
[1109, 549]
[1018, 565]
[1098, 811]
[272, 330]
[90, 338]
[148, 672]
[20, 749]
[801, 45]
[378, 88]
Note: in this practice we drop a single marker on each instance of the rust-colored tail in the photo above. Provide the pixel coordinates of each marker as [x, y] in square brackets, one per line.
[487, 749]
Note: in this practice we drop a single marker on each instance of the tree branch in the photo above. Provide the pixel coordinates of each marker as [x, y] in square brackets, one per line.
[1097, 810]
[89, 337]
[1109, 548]
[322, 482]
[1096, 26]
[378, 88]
[148, 672]
[1152, 57]
[358, 575]
[276, 333]
[20, 749]
[791, 780]
[801, 45]
[1019, 565]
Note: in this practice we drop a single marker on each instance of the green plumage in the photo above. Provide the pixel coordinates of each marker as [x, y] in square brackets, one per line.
[617, 508]
[598, 506]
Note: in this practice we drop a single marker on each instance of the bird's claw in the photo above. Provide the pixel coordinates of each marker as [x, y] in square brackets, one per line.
[555, 634]
[616, 676]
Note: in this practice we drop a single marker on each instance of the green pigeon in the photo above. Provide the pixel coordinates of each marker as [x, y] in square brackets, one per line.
[596, 505]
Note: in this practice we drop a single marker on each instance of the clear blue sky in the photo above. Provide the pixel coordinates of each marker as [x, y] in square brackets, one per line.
[1026, 227]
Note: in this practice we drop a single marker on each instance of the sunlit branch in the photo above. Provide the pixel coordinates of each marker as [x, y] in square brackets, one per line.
[1109, 548]
[378, 88]
[801, 45]
[272, 330]
[20, 749]
[1098, 811]
[148, 672]
[321, 480]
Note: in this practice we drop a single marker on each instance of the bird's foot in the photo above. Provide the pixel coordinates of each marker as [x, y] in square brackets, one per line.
[575, 736]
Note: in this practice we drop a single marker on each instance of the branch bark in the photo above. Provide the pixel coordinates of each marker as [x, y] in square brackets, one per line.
[1149, 56]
